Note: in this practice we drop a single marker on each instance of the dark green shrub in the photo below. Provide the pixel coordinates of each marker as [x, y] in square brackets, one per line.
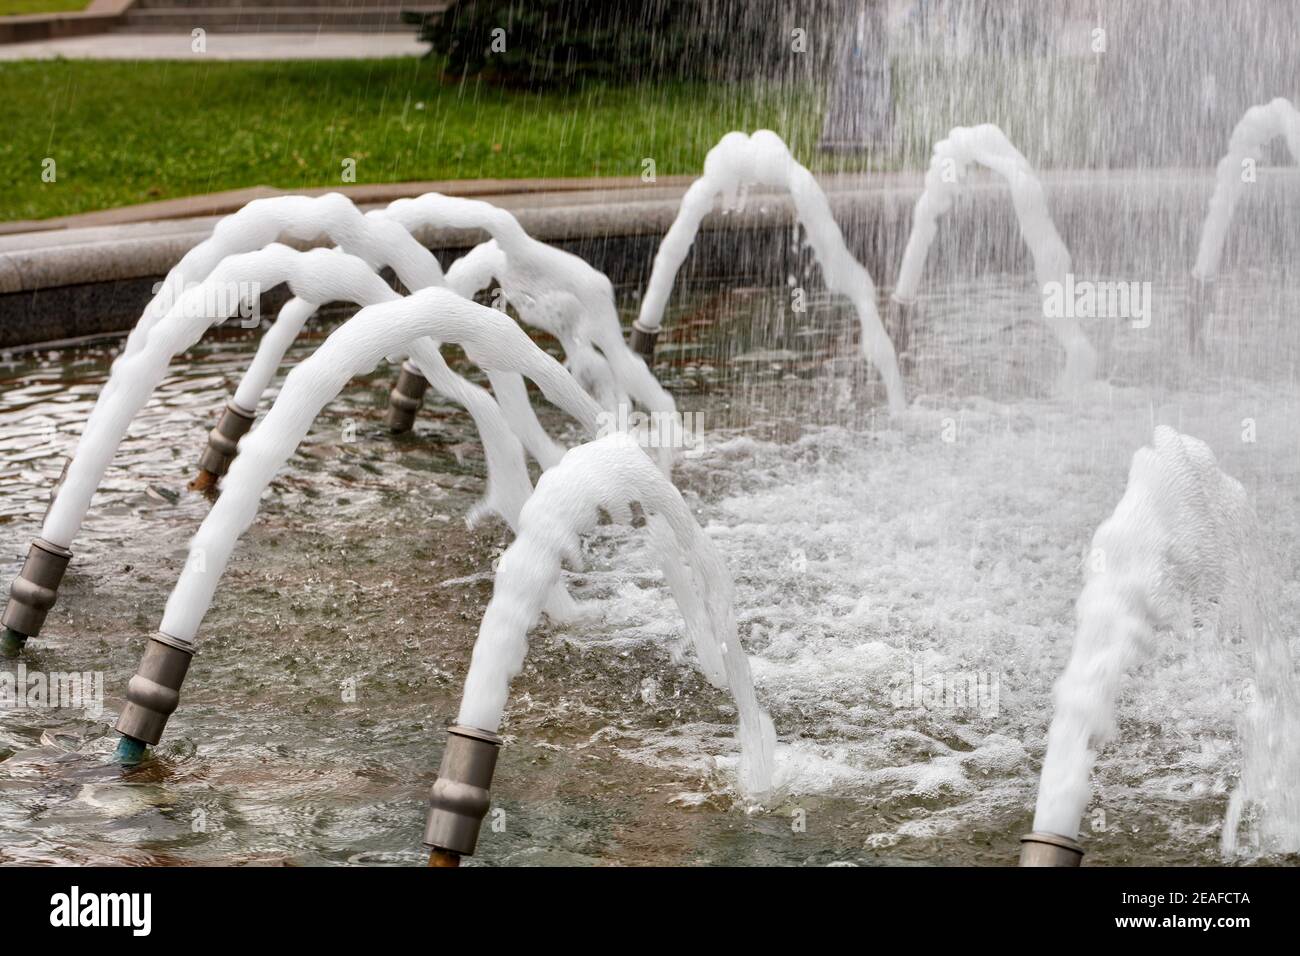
[541, 43]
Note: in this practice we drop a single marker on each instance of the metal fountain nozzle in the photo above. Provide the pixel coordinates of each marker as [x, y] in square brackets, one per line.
[643, 341]
[405, 399]
[34, 591]
[460, 797]
[223, 445]
[1049, 849]
[154, 692]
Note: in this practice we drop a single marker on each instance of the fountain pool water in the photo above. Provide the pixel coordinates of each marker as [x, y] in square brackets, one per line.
[906, 645]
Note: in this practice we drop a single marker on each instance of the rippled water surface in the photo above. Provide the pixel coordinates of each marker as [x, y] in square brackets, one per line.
[877, 564]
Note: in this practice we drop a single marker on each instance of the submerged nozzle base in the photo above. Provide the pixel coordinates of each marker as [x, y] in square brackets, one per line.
[642, 342]
[154, 692]
[460, 797]
[223, 445]
[11, 642]
[35, 589]
[130, 751]
[1049, 849]
[405, 399]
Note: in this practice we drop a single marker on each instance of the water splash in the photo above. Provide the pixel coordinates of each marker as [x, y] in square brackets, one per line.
[490, 339]
[1259, 126]
[1180, 550]
[611, 474]
[736, 163]
[988, 146]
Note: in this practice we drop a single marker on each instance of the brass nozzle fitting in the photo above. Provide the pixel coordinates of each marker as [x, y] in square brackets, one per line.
[155, 691]
[405, 399]
[36, 588]
[1049, 849]
[642, 342]
[223, 444]
[460, 797]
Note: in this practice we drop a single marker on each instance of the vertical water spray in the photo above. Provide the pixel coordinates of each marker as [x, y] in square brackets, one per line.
[988, 146]
[610, 475]
[490, 339]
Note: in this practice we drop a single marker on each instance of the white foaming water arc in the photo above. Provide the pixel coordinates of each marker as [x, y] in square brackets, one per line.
[372, 237]
[611, 474]
[302, 218]
[1180, 545]
[552, 290]
[737, 162]
[988, 146]
[321, 275]
[490, 339]
[1259, 126]
[380, 240]
[467, 276]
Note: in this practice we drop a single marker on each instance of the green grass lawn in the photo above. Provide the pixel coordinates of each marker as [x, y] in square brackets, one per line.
[10, 8]
[123, 133]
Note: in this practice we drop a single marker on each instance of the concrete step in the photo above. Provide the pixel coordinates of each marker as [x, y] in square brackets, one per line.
[267, 19]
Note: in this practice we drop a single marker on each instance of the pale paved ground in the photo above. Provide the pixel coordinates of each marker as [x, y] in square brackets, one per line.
[220, 46]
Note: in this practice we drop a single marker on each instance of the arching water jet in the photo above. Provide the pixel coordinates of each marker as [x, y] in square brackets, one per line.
[1259, 126]
[737, 162]
[554, 291]
[611, 475]
[988, 146]
[490, 339]
[322, 275]
[380, 240]
[371, 237]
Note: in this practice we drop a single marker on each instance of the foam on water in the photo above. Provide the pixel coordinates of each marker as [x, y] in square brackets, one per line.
[1259, 126]
[489, 338]
[612, 474]
[988, 146]
[736, 163]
